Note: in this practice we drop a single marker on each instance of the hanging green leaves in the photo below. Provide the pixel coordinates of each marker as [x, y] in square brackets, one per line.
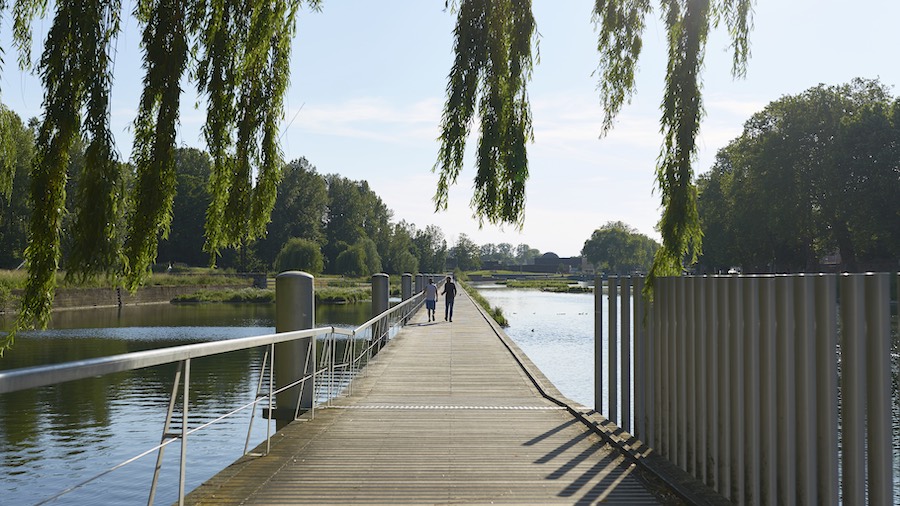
[620, 23]
[493, 64]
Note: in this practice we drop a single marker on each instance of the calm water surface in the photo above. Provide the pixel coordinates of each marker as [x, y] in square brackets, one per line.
[54, 437]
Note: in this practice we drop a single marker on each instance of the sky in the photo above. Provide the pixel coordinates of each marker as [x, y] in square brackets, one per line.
[368, 83]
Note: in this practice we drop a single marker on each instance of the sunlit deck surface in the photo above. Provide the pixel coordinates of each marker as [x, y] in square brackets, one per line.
[445, 415]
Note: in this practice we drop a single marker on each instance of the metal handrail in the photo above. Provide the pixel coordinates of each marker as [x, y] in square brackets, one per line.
[380, 328]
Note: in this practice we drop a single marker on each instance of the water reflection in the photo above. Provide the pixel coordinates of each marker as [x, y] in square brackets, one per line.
[62, 434]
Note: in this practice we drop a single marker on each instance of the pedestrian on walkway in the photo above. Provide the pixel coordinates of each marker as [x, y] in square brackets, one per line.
[449, 294]
[430, 299]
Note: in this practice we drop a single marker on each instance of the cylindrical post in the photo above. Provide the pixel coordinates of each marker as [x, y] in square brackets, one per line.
[295, 309]
[613, 338]
[736, 363]
[672, 366]
[702, 366]
[785, 388]
[724, 393]
[712, 383]
[640, 360]
[685, 316]
[598, 344]
[381, 290]
[625, 342]
[853, 390]
[751, 391]
[420, 282]
[806, 389]
[878, 367]
[681, 403]
[827, 389]
[406, 286]
[767, 394]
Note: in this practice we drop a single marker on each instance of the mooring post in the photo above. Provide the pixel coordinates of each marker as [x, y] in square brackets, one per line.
[380, 292]
[406, 286]
[420, 282]
[294, 310]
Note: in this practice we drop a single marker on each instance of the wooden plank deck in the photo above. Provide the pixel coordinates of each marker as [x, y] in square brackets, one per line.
[445, 415]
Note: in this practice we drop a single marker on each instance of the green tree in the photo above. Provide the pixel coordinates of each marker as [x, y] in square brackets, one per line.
[525, 254]
[15, 204]
[300, 255]
[400, 257]
[811, 174]
[352, 262]
[430, 249]
[466, 253]
[299, 209]
[617, 248]
[185, 241]
[492, 65]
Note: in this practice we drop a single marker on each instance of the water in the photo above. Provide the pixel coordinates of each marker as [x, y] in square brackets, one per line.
[54, 437]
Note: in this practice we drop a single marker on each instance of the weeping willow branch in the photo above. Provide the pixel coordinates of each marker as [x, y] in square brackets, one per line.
[620, 23]
[493, 64]
[165, 57]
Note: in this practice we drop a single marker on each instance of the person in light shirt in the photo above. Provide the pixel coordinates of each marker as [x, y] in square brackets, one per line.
[430, 298]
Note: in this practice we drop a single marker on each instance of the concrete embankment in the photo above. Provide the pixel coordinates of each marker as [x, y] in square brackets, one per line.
[84, 298]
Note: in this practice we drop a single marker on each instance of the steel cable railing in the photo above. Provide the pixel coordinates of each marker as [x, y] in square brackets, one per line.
[332, 377]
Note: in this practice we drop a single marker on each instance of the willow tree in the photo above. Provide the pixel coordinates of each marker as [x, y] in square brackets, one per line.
[238, 53]
[493, 63]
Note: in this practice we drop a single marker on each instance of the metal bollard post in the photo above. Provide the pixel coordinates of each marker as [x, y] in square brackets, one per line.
[878, 387]
[827, 389]
[406, 286]
[294, 310]
[381, 284]
[420, 282]
[625, 333]
[612, 363]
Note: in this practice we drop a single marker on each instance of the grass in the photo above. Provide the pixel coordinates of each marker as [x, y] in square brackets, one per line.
[15, 280]
[325, 295]
[496, 312]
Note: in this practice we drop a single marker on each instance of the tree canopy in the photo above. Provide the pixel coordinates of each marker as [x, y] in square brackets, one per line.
[811, 175]
[617, 248]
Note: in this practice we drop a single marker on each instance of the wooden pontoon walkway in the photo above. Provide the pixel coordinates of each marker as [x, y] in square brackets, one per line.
[445, 415]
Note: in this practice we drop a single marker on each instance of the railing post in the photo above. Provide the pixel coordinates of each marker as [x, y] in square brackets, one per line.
[785, 388]
[612, 388]
[381, 284]
[751, 391]
[295, 309]
[625, 332]
[767, 393]
[712, 382]
[878, 379]
[827, 389]
[420, 282]
[806, 389]
[598, 344]
[723, 384]
[702, 370]
[406, 286]
[680, 338]
[640, 360]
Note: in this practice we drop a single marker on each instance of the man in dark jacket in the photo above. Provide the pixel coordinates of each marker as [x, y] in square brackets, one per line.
[449, 294]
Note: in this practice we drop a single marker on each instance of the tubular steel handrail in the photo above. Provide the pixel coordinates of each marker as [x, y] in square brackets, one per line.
[332, 377]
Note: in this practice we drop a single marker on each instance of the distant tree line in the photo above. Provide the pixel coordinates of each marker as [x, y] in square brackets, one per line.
[318, 223]
[812, 177]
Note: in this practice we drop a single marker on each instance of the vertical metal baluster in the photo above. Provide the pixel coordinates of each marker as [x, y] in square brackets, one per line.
[878, 367]
[724, 383]
[259, 384]
[827, 389]
[751, 391]
[806, 389]
[700, 376]
[736, 331]
[598, 344]
[713, 459]
[640, 360]
[184, 430]
[768, 396]
[681, 378]
[787, 465]
[165, 432]
[612, 363]
[625, 332]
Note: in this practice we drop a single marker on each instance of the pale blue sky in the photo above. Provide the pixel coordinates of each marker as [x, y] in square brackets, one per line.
[370, 77]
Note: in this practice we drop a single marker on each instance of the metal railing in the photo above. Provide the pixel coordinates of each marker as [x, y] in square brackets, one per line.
[770, 389]
[344, 354]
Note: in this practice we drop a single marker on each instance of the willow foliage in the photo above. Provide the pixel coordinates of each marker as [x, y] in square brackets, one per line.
[240, 53]
[493, 47]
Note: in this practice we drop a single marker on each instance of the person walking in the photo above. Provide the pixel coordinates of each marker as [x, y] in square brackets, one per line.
[449, 294]
[430, 299]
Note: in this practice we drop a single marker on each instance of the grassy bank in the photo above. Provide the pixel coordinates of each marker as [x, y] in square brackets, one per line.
[496, 312]
[324, 295]
[548, 285]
